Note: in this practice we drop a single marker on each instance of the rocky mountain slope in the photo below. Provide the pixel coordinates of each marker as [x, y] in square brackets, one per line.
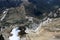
[34, 21]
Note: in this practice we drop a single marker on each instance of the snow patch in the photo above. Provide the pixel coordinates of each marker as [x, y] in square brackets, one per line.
[14, 33]
[4, 14]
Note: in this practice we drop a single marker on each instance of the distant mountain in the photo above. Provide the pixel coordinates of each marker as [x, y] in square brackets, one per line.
[9, 3]
[45, 4]
[32, 7]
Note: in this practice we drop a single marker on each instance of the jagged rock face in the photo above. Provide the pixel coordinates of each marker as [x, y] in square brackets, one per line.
[14, 14]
